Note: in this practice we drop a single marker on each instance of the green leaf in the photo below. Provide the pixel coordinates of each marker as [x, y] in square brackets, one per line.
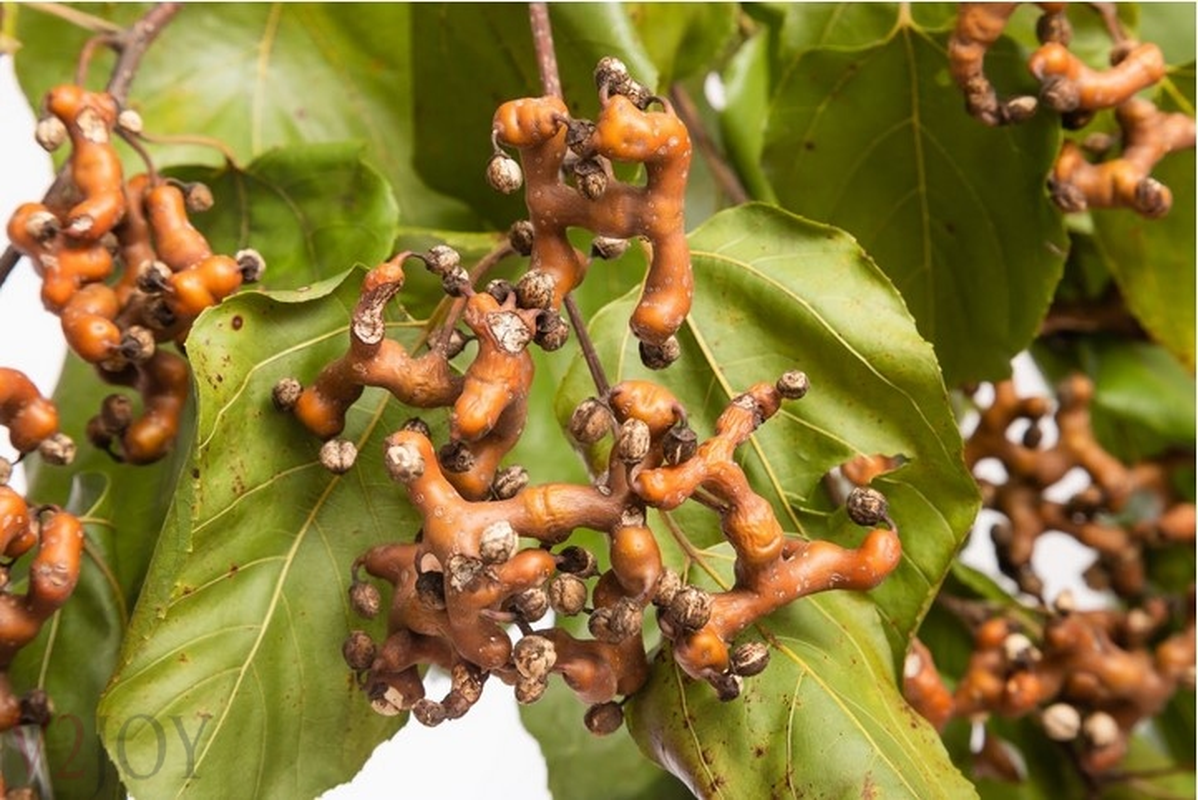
[1143, 398]
[489, 49]
[1171, 26]
[874, 140]
[258, 76]
[742, 123]
[1153, 260]
[823, 720]
[683, 39]
[311, 210]
[774, 292]
[235, 639]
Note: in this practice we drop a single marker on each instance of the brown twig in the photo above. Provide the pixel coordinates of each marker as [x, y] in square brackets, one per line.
[542, 41]
[598, 376]
[1109, 314]
[723, 174]
[132, 44]
[218, 145]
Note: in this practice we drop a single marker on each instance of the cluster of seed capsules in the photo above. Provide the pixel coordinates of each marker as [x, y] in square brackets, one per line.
[492, 555]
[1121, 179]
[53, 536]
[123, 268]
[1089, 677]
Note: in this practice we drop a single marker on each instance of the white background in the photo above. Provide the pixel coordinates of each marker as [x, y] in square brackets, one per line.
[487, 754]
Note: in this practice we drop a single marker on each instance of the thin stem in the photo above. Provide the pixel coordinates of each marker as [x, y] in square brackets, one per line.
[598, 377]
[86, 54]
[723, 174]
[202, 141]
[542, 42]
[76, 17]
[132, 44]
[1110, 18]
[132, 141]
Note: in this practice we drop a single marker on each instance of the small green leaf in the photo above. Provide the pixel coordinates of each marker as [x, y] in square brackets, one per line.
[311, 210]
[683, 39]
[875, 140]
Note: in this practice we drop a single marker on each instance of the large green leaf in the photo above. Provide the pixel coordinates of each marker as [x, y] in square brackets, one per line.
[259, 76]
[237, 631]
[470, 57]
[774, 292]
[1153, 260]
[874, 140]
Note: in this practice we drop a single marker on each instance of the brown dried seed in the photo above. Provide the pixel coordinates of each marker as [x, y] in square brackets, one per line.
[59, 450]
[338, 455]
[530, 690]
[535, 290]
[521, 236]
[602, 719]
[462, 570]
[534, 656]
[866, 506]
[660, 356]
[251, 264]
[428, 712]
[456, 457]
[532, 604]
[504, 173]
[359, 650]
[669, 583]
[690, 609]
[793, 385]
[679, 445]
[590, 421]
[1062, 722]
[567, 594]
[751, 658]
[508, 482]
[403, 462]
[727, 686]
[286, 393]
[365, 599]
[441, 259]
[608, 248]
[633, 443]
[579, 561]
[497, 543]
